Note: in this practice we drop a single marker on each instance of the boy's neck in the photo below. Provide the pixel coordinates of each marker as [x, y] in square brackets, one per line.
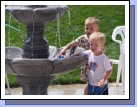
[97, 54]
[87, 36]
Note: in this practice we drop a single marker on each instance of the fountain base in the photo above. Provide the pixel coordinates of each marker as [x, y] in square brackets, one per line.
[34, 85]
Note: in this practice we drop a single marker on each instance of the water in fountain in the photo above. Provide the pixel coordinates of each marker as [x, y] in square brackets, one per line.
[21, 35]
[9, 37]
[9, 30]
[73, 38]
[69, 17]
[58, 29]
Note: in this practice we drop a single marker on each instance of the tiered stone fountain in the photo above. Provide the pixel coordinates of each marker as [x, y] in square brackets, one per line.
[34, 65]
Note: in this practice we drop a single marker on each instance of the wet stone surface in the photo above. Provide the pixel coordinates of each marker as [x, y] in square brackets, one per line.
[74, 89]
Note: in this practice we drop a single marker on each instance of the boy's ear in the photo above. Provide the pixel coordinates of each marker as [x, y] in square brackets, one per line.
[102, 45]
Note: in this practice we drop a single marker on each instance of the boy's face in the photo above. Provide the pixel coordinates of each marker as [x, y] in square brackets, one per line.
[96, 47]
[90, 28]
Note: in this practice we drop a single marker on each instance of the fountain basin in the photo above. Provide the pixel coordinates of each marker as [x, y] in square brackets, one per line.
[35, 74]
[43, 67]
[40, 67]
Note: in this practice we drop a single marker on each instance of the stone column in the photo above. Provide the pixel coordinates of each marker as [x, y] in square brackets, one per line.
[35, 46]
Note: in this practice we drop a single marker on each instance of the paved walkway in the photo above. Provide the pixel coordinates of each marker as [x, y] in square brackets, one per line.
[74, 89]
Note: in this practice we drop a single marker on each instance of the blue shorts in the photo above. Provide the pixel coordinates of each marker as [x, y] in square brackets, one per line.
[96, 90]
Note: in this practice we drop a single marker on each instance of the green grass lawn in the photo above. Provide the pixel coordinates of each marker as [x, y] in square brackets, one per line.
[109, 16]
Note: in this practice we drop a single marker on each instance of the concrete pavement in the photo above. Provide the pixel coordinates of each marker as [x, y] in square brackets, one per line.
[73, 89]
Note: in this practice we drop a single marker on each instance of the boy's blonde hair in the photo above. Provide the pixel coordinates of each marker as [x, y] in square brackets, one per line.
[92, 20]
[97, 36]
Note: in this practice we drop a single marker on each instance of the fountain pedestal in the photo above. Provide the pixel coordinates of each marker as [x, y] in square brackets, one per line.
[34, 85]
[35, 46]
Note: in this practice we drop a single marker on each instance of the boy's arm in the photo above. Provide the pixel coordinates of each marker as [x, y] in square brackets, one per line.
[68, 46]
[107, 75]
[101, 83]
[77, 54]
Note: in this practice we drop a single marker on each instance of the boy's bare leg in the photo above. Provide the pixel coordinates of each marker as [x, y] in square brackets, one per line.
[86, 89]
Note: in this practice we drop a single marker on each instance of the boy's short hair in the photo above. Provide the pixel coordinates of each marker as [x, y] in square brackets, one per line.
[92, 20]
[97, 36]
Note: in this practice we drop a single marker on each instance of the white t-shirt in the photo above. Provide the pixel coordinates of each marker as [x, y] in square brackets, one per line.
[98, 66]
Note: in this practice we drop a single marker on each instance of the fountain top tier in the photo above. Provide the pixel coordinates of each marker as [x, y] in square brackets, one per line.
[38, 14]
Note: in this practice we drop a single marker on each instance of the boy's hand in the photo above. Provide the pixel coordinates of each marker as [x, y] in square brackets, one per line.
[63, 52]
[101, 83]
